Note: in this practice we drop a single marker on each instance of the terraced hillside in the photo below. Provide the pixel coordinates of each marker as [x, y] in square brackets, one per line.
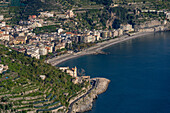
[21, 88]
[27, 96]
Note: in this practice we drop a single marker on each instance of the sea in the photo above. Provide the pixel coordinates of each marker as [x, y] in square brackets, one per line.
[139, 70]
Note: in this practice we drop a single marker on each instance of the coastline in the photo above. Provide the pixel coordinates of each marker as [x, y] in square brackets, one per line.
[95, 49]
[85, 102]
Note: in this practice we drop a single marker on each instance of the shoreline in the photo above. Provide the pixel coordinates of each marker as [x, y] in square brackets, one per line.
[96, 48]
[85, 102]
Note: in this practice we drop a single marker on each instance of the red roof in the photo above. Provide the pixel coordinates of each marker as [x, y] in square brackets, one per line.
[34, 16]
[69, 33]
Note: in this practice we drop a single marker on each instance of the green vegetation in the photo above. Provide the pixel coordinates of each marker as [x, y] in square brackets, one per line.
[158, 4]
[24, 88]
[81, 46]
[93, 19]
[104, 2]
[48, 29]
[94, 14]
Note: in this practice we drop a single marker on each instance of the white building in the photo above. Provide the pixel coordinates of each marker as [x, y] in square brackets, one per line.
[46, 14]
[168, 16]
[72, 72]
[4, 37]
[89, 38]
[37, 56]
[97, 35]
[1, 17]
[3, 68]
[60, 46]
[21, 34]
[115, 33]
[35, 24]
[2, 24]
[43, 50]
[127, 27]
[34, 52]
[63, 68]
[120, 32]
[69, 14]
[49, 48]
[109, 34]
[42, 77]
[59, 30]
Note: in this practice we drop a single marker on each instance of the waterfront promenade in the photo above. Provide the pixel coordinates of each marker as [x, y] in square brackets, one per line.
[94, 49]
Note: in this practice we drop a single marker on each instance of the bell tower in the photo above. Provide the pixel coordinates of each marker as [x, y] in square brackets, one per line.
[75, 71]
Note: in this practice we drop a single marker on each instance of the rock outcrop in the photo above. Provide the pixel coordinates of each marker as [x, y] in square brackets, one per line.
[86, 103]
[153, 26]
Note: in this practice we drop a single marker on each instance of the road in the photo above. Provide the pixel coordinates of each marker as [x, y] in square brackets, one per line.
[94, 84]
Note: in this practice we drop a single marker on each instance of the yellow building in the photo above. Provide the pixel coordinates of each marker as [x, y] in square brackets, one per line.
[75, 71]
[72, 72]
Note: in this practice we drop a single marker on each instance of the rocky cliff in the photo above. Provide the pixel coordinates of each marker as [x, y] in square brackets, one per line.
[85, 104]
[153, 26]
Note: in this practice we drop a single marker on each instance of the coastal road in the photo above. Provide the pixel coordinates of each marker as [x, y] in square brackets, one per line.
[94, 84]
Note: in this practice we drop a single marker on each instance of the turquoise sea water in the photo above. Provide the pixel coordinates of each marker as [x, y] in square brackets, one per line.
[139, 70]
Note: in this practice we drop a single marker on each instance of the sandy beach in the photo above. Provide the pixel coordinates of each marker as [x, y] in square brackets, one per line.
[95, 49]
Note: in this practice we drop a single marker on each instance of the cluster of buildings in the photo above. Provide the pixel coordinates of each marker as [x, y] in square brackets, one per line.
[73, 73]
[21, 37]
[32, 22]
[3, 68]
[47, 14]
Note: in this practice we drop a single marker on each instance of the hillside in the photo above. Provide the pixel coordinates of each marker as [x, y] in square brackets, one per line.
[34, 6]
[22, 89]
[89, 14]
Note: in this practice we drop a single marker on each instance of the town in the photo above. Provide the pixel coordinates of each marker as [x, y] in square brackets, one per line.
[37, 35]
[32, 36]
[22, 39]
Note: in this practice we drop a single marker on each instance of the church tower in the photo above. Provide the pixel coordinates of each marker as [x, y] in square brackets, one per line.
[75, 71]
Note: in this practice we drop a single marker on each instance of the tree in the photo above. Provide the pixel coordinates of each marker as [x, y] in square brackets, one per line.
[4, 99]
[116, 24]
